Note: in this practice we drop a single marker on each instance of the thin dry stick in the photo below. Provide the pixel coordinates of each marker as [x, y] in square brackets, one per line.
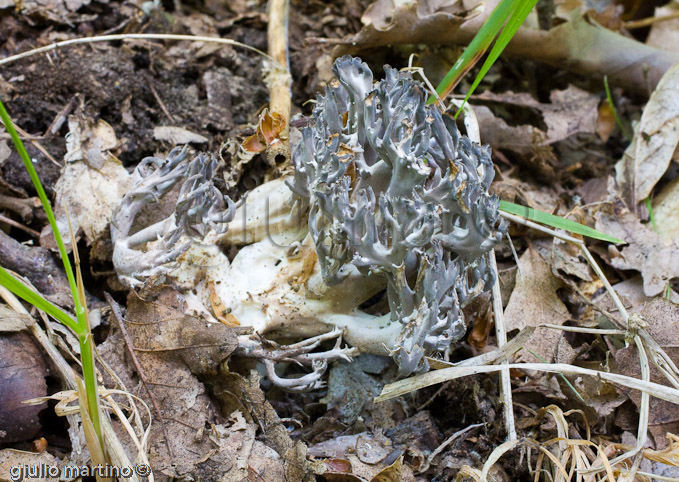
[118, 317]
[501, 334]
[61, 117]
[402, 387]
[12, 222]
[129, 36]
[447, 442]
[160, 103]
[647, 22]
[278, 77]
[37, 145]
[473, 132]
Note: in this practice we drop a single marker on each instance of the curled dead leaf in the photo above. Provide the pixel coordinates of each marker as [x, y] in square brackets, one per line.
[655, 141]
[270, 127]
[647, 252]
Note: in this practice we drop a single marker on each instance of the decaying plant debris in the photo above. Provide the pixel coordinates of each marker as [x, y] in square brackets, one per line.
[260, 306]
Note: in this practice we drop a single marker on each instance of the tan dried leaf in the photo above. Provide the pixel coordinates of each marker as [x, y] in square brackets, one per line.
[571, 111]
[91, 195]
[534, 302]
[647, 252]
[655, 141]
[665, 209]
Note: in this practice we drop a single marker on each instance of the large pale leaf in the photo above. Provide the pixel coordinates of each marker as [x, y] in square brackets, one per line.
[655, 140]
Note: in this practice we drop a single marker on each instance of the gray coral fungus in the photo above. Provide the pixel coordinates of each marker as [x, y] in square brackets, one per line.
[395, 190]
[395, 196]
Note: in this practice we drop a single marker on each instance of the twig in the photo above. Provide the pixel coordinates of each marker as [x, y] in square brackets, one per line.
[471, 125]
[4, 135]
[18, 225]
[61, 117]
[501, 334]
[160, 103]
[37, 144]
[647, 22]
[447, 442]
[278, 78]
[129, 36]
[118, 317]
[22, 206]
[417, 382]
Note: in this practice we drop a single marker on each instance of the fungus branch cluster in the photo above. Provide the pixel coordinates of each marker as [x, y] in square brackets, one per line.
[395, 190]
[395, 197]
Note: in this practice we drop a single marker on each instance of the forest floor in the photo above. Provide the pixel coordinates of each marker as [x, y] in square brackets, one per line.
[90, 113]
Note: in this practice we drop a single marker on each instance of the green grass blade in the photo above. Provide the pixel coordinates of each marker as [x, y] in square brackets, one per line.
[81, 325]
[556, 222]
[27, 294]
[516, 19]
[478, 46]
[46, 206]
[563, 377]
[618, 121]
[651, 216]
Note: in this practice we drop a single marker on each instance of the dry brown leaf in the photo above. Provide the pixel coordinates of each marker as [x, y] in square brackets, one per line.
[600, 398]
[571, 111]
[605, 123]
[533, 302]
[173, 350]
[655, 141]
[665, 209]
[647, 252]
[372, 449]
[60, 11]
[391, 473]
[269, 129]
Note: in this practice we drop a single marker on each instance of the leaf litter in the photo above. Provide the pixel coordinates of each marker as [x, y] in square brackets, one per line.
[226, 423]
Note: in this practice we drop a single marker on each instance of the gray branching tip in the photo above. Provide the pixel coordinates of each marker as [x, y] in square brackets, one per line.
[396, 190]
[200, 207]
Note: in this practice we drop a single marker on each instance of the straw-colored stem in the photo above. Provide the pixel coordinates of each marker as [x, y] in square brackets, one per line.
[501, 334]
[278, 79]
[129, 36]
